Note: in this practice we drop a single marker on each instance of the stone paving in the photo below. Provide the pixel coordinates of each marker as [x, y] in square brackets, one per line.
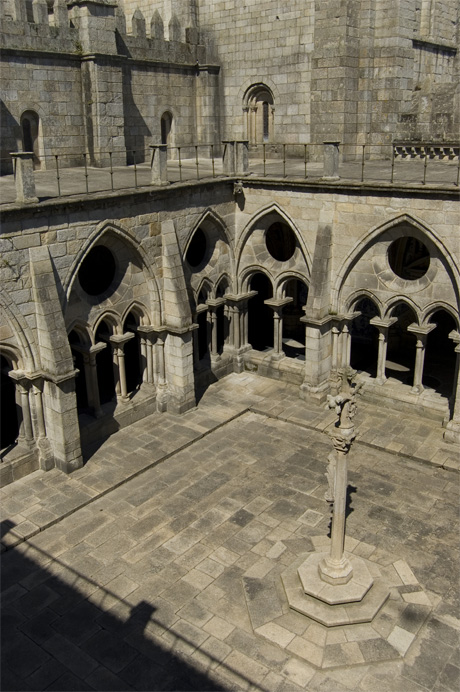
[132, 573]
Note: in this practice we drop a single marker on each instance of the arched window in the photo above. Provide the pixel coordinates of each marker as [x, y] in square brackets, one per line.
[259, 114]
[30, 127]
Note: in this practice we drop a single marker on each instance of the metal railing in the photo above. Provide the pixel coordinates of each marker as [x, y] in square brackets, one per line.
[84, 173]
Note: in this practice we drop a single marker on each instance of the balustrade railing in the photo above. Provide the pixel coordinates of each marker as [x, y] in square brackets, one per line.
[84, 173]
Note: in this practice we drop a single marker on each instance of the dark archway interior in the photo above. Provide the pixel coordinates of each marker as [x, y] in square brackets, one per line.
[134, 362]
[197, 248]
[9, 410]
[293, 328]
[203, 341]
[260, 316]
[364, 338]
[29, 127]
[104, 364]
[401, 345]
[80, 380]
[440, 356]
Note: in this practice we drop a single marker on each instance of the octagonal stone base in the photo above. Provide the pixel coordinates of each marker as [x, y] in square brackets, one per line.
[338, 609]
[353, 590]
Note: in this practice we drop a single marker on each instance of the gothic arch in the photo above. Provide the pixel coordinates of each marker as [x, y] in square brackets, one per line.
[356, 296]
[210, 222]
[282, 279]
[111, 318]
[249, 272]
[138, 309]
[264, 215]
[368, 239]
[398, 300]
[435, 307]
[13, 318]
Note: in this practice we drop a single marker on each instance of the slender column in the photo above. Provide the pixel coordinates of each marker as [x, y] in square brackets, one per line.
[118, 342]
[90, 367]
[383, 326]
[335, 348]
[25, 406]
[148, 338]
[421, 334]
[346, 346]
[37, 390]
[452, 433]
[213, 320]
[238, 307]
[277, 306]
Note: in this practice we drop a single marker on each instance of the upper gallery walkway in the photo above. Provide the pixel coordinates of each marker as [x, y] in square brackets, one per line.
[63, 176]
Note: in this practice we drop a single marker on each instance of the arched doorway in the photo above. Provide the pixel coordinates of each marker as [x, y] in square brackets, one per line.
[440, 356]
[401, 345]
[259, 109]
[10, 413]
[30, 124]
[104, 364]
[79, 364]
[260, 316]
[293, 328]
[134, 361]
[364, 337]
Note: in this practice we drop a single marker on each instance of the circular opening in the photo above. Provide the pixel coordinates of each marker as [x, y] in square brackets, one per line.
[197, 248]
[97, 271]
[280, 241]
[408, 258]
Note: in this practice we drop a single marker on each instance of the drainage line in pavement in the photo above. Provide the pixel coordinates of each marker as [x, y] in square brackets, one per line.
[323, 429]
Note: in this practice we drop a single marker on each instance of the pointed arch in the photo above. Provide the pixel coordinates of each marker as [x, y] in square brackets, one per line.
[111, 318]
[248, 272]
[138, 309]
[356, 296]
[13, 318]
[435, 307]
[267, 215]
[210, 221]
[108, 228]
[284, 277]
[368, 239]
[398, 300]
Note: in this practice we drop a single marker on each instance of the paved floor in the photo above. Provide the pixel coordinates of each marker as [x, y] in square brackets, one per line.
[76, 181]
[129, 574]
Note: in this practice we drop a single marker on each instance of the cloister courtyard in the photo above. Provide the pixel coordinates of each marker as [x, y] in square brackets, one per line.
[157, 565]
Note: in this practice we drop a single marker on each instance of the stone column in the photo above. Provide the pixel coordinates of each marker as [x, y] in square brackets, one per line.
[23, 163]
[277, 306]
[159, 164]
[421, 333]
[23, 385]
[452, 433]
[383, 326]
[213, 304]
[118, 342]
[148, 338]
[331, 160]
[39, 418]
[238, 304]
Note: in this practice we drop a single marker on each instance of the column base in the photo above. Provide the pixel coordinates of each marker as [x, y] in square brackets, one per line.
[452, 432]
[335, 572]
[316, 392]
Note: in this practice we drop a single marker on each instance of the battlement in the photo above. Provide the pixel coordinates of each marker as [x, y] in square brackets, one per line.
[96, 26]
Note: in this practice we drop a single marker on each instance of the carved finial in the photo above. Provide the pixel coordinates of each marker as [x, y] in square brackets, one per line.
[157, 29]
